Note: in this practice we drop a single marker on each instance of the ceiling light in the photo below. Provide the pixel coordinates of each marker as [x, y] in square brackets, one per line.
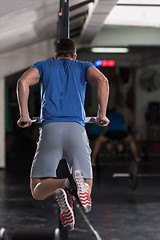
[149, 2]
[124, 15]
[109, 50]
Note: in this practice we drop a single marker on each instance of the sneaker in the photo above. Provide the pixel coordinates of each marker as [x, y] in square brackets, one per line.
[65, 202]
[77, 187]
[133, 180]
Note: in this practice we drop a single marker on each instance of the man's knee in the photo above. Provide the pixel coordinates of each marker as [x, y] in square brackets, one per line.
[101, 139]
[34, 184]
[129, 139]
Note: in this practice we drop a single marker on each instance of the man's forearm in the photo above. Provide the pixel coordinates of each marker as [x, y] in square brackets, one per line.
[103, 95]
[23, 95]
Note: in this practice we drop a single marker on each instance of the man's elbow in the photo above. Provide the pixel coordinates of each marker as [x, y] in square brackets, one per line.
[103, 81]
[22, 81]
[21, 84]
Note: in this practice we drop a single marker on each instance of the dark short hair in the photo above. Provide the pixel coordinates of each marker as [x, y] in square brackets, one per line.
[65, 48]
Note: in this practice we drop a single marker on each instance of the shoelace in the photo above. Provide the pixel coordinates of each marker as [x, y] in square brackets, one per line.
[61, 202]
[80, 182]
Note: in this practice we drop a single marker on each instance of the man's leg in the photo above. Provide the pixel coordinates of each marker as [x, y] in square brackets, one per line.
[42, 188]
[133, 170]
[129, 139]
[89, 185]
[101, 139]
[80, 188]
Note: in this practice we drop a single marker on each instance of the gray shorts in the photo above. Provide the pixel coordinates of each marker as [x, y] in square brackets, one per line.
[62, 140]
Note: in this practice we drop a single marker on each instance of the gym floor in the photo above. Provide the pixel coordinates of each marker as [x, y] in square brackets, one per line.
[118, 212]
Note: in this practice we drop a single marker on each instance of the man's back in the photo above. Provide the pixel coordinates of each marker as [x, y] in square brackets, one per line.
[63, 85]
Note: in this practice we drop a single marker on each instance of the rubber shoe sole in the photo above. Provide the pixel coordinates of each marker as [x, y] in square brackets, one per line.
[66, 211]
[82, 195]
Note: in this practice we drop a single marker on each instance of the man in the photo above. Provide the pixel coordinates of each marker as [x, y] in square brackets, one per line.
[62, 133]
[116, 130]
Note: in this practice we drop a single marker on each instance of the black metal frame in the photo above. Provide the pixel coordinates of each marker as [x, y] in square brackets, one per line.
[63, 20]
[81, 4]
[63, 32]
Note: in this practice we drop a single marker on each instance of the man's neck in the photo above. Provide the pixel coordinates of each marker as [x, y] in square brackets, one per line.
[64, 57]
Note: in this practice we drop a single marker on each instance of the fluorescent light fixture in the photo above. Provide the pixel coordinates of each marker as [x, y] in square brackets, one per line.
[109, 50]
[134, 15]
[153, 2]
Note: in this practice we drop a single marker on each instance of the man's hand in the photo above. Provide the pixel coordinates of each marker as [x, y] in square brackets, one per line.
[24, 122]
[104, 119]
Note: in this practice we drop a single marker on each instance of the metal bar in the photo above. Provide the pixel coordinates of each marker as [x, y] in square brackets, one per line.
[79, 15]
[74, 35]
[63, 32]
[63, 20]
[74, 30]
[74, 7]
[62, 172]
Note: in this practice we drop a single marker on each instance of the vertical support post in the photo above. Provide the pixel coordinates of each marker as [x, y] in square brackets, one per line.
[2, 123]
[63, 32]
[63, 20]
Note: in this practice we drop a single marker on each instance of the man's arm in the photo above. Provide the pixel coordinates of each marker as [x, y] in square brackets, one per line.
[29, 78]
[95, 77]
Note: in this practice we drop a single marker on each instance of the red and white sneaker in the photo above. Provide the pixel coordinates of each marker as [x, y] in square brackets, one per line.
[77, 187]
[65, 202]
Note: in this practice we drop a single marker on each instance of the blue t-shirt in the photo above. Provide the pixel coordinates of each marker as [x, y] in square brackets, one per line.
[63, 85]
[116, 122]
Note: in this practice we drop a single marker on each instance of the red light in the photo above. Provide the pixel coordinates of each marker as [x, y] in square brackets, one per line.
[111, 63]
[108, 63]
[104, 63]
